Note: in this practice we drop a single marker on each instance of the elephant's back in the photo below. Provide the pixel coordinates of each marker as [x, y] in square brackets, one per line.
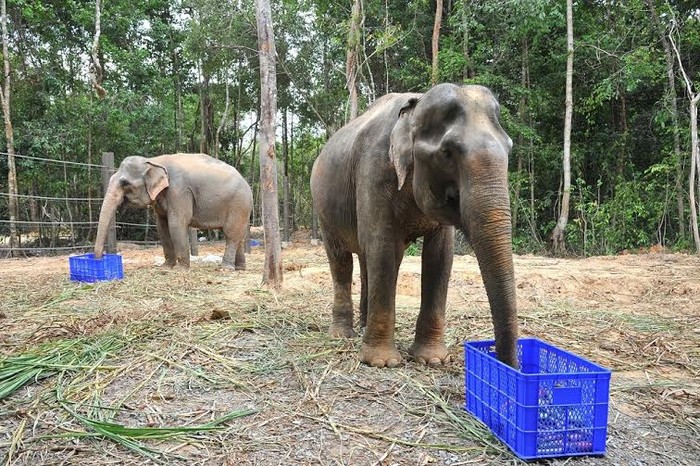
[218, 170]
[346, 155]
[368, 133]
[207, 174]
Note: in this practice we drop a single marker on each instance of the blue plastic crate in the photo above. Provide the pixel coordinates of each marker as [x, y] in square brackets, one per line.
[556, 405]
[85, 268]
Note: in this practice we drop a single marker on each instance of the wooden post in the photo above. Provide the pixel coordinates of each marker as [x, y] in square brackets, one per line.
[107, 171]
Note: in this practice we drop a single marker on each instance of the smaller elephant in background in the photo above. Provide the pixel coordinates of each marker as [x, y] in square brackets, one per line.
[185, 190]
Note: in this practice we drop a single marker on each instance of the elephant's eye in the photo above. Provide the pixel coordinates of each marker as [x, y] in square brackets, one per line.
[446, 152]
[124, 183]
[451, 149]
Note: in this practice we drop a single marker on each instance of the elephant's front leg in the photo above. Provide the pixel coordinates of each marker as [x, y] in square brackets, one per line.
[429, 344]
[166, 241]
[179, 234]
[383, 257]
[363, 291]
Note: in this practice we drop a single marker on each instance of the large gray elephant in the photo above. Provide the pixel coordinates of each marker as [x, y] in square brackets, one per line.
[185, 190]
[416, 165]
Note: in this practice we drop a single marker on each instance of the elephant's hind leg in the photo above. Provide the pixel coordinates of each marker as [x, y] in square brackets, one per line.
[340, 262]
[240, 255]
[234, 256]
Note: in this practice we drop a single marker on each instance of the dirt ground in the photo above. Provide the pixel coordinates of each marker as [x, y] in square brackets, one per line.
[186, 347]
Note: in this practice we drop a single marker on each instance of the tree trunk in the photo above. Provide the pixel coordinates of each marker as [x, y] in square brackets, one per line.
[205, 115]
[671, 97]
[256, 191]
[522, 111]
[385, 89]
[466, 72]
[96, 67]
[222, 123]
[238, 144]
[9, 137]
[558, 234]
[435, 75]
[272, 273]
[694, 167]
[290, 176]
[624, 155]
[285, 187]
[352, 57]
[178, 102]
[693, 98]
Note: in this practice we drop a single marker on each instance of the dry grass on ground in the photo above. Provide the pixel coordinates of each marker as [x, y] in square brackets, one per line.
[208, 367]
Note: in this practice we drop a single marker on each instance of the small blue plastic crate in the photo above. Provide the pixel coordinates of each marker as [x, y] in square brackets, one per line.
[556, 405]
[85, 268]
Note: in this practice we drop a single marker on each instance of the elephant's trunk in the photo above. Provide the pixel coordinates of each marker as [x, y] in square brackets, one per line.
[486, 217]
[112, 200]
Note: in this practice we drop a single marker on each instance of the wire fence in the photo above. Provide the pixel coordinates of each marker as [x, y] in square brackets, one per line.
[58, 207]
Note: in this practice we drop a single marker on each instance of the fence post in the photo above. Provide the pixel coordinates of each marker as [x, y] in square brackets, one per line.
[107, 171]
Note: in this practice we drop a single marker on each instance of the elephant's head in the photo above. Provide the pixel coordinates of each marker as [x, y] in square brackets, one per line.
[137, 182]
[449, 145]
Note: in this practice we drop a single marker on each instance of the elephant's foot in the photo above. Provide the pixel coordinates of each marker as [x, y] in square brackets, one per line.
[430, 354]
[341, 330]
[229, 267]
[380, 356]
[169, 264]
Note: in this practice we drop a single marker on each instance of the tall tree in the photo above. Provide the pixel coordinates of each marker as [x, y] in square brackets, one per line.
[9, 134]
[353, 56]
[435, 74]
[223, 122]
[558, 234]
[97, 74]
[672, 101]
[693, 99]
[272, 273]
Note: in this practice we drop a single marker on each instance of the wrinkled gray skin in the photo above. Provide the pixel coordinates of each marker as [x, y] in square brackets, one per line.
[185, 190]
[417, 165]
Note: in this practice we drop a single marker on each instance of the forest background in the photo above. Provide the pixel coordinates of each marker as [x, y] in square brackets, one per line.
[182, 75]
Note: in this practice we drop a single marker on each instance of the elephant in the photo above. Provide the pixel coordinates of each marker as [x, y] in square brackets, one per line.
[417, 165]
[185, 190]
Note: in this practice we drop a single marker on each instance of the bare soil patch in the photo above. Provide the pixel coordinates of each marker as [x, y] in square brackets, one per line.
[184, 348]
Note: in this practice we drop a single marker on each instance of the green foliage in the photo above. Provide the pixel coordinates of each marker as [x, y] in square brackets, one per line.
[169, 65]
[414, 249]
[629, 220]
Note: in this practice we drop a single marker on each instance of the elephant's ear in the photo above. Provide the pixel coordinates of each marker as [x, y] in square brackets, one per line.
[401, 142]
[156, 179]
